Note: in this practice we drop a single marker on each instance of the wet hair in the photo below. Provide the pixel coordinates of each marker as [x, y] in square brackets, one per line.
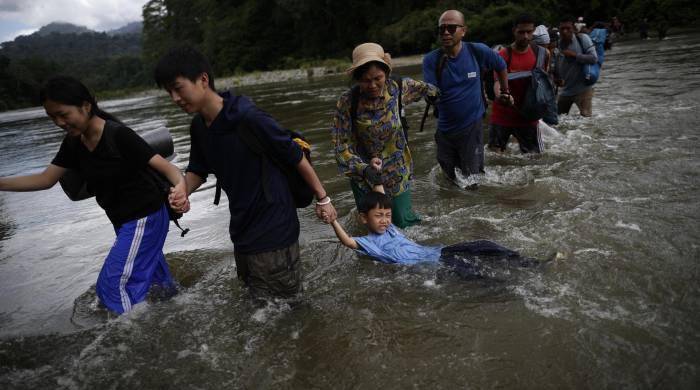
[524, 19]
[372, 200]
[182, 61]
[361, 70]
[70, 91]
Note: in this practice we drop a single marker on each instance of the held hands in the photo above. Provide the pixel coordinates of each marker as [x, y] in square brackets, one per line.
[569, 53]
[325, 210]
[178, 198]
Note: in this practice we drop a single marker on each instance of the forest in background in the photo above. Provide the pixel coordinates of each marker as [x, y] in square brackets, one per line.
[242, 36]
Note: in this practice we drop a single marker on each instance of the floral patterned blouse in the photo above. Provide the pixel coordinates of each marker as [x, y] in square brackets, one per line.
[378, 133]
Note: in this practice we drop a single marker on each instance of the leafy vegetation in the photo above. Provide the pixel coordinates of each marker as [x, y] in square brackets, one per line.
[253, 35]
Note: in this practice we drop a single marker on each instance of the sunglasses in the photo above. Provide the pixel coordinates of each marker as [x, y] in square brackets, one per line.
[450, 28]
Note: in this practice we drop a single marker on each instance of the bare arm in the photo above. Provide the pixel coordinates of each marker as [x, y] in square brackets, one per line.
[36, 182]
[500, 87]
[179, 201]
[344, 238]
[324, 211]
[178, 193]
[170, 171]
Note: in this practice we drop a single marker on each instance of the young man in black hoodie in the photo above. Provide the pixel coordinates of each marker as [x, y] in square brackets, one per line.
[264, 227]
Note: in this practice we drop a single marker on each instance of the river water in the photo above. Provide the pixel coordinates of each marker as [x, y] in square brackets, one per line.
[616, 195]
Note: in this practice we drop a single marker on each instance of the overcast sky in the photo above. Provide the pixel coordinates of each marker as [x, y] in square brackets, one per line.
[22, 17]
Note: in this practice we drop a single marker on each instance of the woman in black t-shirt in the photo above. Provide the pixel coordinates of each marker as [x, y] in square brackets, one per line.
[113, 160]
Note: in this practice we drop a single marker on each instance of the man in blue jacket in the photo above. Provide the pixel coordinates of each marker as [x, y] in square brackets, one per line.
[456, 69]
[264, 227]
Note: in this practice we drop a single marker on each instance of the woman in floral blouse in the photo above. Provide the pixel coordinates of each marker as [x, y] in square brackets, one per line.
[375, 136]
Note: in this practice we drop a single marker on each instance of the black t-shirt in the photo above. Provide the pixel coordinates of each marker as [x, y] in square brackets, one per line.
[114, 172]
[257, 224]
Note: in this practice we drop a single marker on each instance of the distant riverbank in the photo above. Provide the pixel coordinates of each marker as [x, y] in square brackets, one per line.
[333, 67]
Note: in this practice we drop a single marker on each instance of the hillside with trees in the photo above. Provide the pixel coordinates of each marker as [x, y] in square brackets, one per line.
[103, 60]
[250, 35]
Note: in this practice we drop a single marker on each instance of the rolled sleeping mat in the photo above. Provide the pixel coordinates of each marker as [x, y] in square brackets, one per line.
[159, 139]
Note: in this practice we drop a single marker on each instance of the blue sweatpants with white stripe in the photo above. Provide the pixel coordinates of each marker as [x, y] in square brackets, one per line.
[135, 262]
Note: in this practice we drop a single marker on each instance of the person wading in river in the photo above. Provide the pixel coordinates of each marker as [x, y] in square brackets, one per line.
[506, 120]
[456, 69]
[575, 50]
[367, 127]
[264, 226]
[113, 160]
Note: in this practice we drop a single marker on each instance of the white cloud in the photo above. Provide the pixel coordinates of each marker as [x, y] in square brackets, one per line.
[98, 15]
[15, 34]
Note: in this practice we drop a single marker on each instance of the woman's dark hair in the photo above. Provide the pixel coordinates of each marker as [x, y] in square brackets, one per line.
[361, 70]
[70, 91]
[184, 61]
[372, 200]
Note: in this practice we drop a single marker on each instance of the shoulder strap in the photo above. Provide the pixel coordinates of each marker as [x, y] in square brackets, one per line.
[474, 52]
[584, 50]
[440, 67]
[509, 50]
[540, 55]
[247, 135]
[402, 114]
[354, 102]
[399, 85]
[438, 78]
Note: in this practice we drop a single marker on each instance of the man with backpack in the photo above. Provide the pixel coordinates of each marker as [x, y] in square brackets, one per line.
[521, 58]
[575, 52]
[264, 226]
[457, 70]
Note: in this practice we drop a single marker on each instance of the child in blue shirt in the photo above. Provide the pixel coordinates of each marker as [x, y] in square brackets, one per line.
[387, 244]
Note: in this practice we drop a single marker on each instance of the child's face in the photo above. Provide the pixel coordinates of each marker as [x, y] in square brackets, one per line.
[188, 95]
[377, 219]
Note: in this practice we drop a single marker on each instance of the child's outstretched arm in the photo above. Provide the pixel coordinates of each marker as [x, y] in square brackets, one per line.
[344, 238]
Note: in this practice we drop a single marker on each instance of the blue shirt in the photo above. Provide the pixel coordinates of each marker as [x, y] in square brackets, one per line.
[461, 101]
[257, 224]
[394, 247]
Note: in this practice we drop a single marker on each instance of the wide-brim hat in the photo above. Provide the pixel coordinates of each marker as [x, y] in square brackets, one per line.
[368, 52]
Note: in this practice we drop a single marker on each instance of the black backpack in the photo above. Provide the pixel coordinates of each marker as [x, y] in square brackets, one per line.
[75, 186]
[355, 100]
[485, 78]
[540, 99]
[302, 193]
